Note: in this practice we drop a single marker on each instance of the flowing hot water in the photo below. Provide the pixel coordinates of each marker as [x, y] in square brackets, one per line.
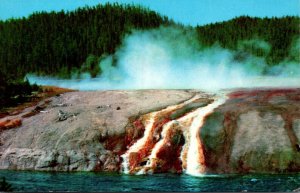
[190, 124]
[194, 155]
[138, 145]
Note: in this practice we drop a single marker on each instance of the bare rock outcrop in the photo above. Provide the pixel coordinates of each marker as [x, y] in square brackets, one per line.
[254, 131]
[79, 131]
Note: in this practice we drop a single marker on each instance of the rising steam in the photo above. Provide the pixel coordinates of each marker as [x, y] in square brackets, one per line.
[172, 58]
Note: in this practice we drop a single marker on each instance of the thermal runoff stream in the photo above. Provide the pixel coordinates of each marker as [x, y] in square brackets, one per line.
[171, 139]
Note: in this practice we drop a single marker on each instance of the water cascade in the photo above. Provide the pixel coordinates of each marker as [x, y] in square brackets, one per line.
[153, 148]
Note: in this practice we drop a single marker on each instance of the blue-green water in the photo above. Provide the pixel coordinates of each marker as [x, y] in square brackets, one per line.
[89, 182]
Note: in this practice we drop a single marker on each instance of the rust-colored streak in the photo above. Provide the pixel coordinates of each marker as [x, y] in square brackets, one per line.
[243, 94]
[150, 142]
[134, 131]
[46, 92]
[114, 143]
[266, 94]
[138, 157]
[10, 124]
[168, 156]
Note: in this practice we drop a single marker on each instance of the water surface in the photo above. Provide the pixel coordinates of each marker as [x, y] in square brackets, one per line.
[90, 182]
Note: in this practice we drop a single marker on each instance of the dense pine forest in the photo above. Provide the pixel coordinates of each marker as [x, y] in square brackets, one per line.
[58, 43]
[51, 43]
[280, 33]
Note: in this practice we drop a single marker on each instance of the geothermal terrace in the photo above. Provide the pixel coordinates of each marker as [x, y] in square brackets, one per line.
[154, 131]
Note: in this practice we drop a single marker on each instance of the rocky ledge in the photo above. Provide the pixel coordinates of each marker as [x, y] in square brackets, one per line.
[253, 131]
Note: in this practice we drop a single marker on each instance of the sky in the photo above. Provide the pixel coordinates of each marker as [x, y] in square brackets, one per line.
[189, 12]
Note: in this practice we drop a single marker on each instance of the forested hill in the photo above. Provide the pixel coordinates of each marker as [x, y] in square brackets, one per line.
[58, 42]
[53, 43]
[279, 33]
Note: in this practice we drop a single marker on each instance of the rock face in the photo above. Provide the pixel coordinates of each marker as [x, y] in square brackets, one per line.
[254, 131]
[79, 131]
[149, 131]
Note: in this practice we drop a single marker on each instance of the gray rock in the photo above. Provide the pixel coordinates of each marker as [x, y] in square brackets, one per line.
[68, 139]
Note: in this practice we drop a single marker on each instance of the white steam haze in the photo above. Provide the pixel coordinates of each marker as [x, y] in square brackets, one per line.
[172, 58]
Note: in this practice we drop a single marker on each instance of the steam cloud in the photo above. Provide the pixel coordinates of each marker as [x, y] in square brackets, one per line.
[172, 58]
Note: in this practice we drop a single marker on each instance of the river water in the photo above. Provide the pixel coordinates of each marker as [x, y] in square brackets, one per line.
[90, 182]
